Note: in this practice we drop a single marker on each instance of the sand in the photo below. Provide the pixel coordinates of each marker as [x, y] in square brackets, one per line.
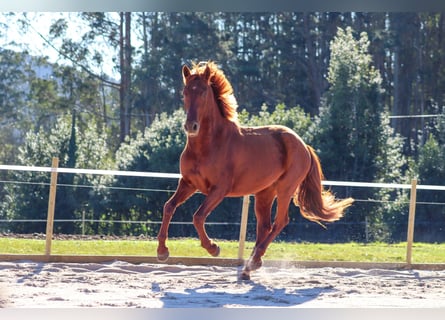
[27, 284]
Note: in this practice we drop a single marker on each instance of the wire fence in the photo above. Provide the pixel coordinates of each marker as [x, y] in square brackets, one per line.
[297, 230]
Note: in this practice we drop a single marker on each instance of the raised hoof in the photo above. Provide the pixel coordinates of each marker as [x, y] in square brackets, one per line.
[163, 257]
[215, 252]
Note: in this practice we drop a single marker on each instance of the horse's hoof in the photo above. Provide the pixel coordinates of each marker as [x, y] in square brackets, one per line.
[215, 251]
[245, 276]
[163, 257]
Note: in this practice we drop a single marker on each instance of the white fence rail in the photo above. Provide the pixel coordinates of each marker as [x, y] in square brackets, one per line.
[177, 176]
[54, 170]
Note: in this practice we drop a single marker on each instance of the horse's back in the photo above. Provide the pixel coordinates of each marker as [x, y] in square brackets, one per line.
[263, 155]
[285, 139]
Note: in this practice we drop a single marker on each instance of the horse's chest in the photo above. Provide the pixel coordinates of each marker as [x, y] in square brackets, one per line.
[199, 171]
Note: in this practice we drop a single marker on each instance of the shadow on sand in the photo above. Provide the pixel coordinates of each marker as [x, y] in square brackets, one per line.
[251, 294]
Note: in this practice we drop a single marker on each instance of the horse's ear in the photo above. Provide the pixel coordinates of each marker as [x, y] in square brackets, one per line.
[185, 73]
[207, 73]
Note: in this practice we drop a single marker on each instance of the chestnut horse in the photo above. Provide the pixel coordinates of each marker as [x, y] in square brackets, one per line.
[223, 159]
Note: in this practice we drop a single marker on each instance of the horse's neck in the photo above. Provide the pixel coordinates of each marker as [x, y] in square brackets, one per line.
[214, 134]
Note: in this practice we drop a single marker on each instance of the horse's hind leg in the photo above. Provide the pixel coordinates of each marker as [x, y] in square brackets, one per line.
[281, 220]
[263, 206]
[183, 192]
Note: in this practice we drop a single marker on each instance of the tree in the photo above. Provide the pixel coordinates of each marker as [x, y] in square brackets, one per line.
[354, 140]
[85, 55]
[85, 193]
[125, 57]
[14, 119]
[169, 41]
[404, 28]
[430, 170]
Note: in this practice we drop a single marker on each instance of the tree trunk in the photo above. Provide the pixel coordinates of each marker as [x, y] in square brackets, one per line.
[313, 67]
[125, 70]
[395, 107]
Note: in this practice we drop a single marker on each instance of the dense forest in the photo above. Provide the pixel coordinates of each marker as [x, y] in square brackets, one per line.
[366, 90]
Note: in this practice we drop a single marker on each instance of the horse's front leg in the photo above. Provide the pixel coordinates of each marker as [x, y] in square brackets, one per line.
[183, 192]
[211, 202]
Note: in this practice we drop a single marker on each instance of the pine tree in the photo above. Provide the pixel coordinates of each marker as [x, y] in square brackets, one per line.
[430, 170]
[354, 140]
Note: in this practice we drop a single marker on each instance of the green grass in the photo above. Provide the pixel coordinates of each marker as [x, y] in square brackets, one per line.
[373, 252]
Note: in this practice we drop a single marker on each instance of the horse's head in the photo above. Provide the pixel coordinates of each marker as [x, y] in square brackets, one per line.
[197, 94]
[208, 97]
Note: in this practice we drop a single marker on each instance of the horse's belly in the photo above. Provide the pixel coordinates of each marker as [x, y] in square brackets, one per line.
[243, 180]
[253, 183]
[259, 174]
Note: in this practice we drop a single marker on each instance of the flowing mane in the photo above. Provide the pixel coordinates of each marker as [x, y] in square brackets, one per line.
[222, 89]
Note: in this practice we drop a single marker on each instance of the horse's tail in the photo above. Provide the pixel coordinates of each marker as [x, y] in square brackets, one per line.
[315, 203]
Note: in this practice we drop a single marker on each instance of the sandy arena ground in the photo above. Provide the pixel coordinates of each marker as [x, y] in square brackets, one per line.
[121, 284]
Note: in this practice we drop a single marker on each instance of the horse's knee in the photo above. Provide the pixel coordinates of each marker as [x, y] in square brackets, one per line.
[169, 209]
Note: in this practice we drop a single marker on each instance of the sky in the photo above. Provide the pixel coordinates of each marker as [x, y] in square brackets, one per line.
[30, 39]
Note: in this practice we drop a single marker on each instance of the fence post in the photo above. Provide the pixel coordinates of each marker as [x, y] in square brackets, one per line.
[366, 230]
[83, 222]
[411, 218]
[51, 205]
[243, 226]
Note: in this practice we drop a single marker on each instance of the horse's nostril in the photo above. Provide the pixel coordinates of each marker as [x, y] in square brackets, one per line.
[191, 128]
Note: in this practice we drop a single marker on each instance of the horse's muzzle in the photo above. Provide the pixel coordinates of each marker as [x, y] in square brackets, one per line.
[191, 128]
